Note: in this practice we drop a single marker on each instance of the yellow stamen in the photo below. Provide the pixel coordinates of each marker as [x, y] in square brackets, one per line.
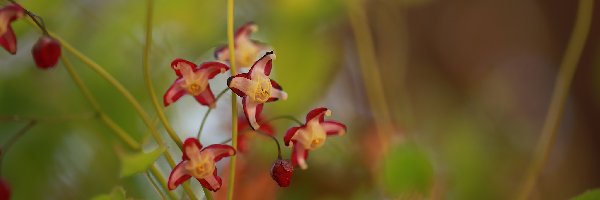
[261, 89]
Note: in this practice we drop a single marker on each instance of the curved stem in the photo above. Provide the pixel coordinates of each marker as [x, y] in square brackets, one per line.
[155, 186]
[13, 140]
[276, 142]
[560, 94]
[288, 117]
[233, 69]
[154, 170]
[208, 112]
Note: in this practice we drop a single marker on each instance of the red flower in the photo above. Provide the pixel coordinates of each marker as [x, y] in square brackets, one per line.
[200, 163]
[46, 52]
[193, 80]
[246, 50]
[311, 135]
[8, 14]
[4, 190]
[245, 131]
[281, 172]
[256, 88]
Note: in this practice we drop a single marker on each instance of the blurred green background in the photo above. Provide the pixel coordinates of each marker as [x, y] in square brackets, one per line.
[467, 84]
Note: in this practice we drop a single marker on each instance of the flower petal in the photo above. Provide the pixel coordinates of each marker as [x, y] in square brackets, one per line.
[206, 97]
[174, 92]
[277, 92]
[318, 113]
[213, 68]
[179, 63]
[8, 14]
[262, 65]
[219, 151]
[240, 84]
[211, 182]
[222, 53]
[9, 41]
[299, 156]
[191, 148]
[333, 128]
[245, 30]
[289, 134]
[252, 110]
[178, 175]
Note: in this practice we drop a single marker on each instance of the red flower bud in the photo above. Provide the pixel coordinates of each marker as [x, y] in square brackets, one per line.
[46, 52]
[4, 190]
[281, 172]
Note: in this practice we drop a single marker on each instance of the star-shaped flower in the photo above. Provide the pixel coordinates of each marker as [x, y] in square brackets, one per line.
[246, 49]
[256, 88]
[193, 80]
[8, 14]
[200, 164]
[311, 135]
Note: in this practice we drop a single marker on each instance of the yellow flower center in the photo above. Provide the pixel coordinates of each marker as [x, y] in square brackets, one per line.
[311, 137]
[261, 89]
[194, 89]
[200, 167]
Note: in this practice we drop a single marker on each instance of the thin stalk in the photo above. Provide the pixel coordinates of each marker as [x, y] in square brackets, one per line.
[208, 194]
[156, 173]
[233, 69]
[62, 118]
[208, 112]
[155, 186]
[288, 117]
[559, 95]
[147, 77]
[13, 140]
[276, 142]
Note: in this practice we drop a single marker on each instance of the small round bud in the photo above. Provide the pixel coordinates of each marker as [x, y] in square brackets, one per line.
[281, 172]
[46, 52]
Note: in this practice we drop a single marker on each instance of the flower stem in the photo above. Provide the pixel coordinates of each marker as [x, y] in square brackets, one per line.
[13, 140]
[274, 139]
[154, 170]
[90, 115]
[288, 117]
[155, 186]
[233, 69]
[208, 112]
[559, 95]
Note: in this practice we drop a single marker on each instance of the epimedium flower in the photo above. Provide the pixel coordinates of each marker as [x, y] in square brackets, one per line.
[46, 52]
[200, 164]
[8, 14]
[246, 49]
[311, 135]
[193, 80]
[245, 131]
[256, 88]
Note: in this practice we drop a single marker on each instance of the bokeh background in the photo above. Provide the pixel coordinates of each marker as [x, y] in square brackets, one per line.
[467, 85]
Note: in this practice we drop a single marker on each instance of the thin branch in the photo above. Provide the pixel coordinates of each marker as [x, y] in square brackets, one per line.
[208, 112]
[13, 140]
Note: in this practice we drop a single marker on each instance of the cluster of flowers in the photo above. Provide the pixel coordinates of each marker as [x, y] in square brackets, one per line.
[46, 50]
[255, 88]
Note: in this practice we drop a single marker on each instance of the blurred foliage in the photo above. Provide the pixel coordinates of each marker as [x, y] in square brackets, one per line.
[140, 162]
[588, 195]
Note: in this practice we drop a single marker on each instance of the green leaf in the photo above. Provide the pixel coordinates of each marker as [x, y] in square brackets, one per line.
[117, 193]
[588, 195]
[140, 162]
[406, 170]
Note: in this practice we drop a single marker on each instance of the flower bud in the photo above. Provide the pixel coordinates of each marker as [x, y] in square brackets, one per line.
[281, 172]
[46, 52]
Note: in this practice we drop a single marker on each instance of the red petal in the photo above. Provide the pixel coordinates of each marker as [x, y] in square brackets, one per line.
[262, 65]
[4, 190]
[334, 128]
[222, 53]
[175, 65]
[206, 97]
[215, 179]
[245, 30]
[213, 68]
[9, 41]
[220, 151]
[178, 175]
[299, 156]
[317, 112]
[252, 111]
[289, 134]
[235, 88]
[173, 93]
[46, 52]
[190, 142]
[277, 92]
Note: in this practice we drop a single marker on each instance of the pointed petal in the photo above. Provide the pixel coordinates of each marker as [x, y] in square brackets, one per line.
[178, 175]
[9, 41]
[245, 30]
[263, 65]
[219, 151]
[318, 113]
[240, 84]
[8, 14]
[333, 128]
[174, 93]
[191, 148]
[277, 92]
[178, 64]
[252, 110]
[289, 134]
[213, 68]
[299, 156]
[206, 97]
[222, 53]
[211, 182]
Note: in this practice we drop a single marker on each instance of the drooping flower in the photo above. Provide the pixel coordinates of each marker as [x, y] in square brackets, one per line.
[256, 88]
[8, 14]
[46, 52]
[193, 80]
[245, 132]
[200, 164]
[311, 135]
[281, 172]
[246, 49]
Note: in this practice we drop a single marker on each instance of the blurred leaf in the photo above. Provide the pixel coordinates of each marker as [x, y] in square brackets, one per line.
[406, 170]
[117, 193]
[140, 162]
[588, 195]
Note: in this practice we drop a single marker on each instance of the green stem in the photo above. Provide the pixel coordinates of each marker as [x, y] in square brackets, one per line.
[155, 186]
[274, 139]
[233, 69]
[559, 95]
[288, 117]
[147, 77]
[154, 170]
[13, 140]
[208, 112]
[62, 118]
